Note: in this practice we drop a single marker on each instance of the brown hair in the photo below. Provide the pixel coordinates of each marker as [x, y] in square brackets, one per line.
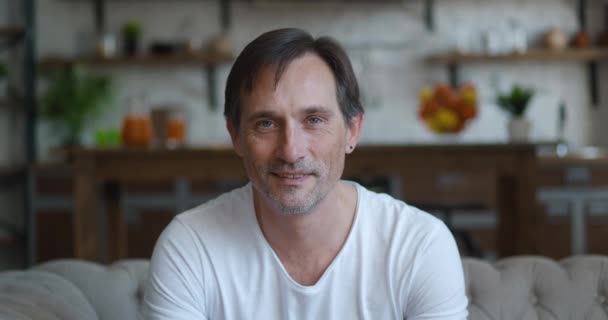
[278, 48]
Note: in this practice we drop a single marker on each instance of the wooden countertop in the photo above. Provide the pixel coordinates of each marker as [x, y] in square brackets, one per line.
[489, 147]
[585, 156]
[508, 169]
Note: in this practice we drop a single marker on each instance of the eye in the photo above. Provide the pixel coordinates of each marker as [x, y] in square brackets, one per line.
[314, 120]
[264, 124]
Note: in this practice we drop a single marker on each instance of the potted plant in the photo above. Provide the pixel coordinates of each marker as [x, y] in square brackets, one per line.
[515, 103]
[73, 98]
[3, 80]
[131, 34]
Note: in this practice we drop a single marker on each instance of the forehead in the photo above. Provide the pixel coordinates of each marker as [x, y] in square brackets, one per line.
[305, 81]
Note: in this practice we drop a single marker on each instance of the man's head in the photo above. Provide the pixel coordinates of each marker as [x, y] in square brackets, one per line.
[293, 112]
[277, 49]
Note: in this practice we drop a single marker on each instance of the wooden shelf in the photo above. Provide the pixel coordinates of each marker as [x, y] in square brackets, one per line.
[10, 236]
[538, 55]
[10, 31]
[11, 170]
[209, 60]
[9, 104]
[590, 56]
[144, 60]
[11, 175]
[8, 240]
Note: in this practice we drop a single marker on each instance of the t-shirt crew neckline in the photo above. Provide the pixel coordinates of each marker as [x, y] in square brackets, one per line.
[294, 284]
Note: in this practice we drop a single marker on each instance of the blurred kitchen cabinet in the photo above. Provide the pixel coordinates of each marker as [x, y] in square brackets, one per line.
[573, 192]
[149, 207]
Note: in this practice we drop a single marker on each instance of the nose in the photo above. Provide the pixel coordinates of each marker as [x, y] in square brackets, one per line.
[292, 144]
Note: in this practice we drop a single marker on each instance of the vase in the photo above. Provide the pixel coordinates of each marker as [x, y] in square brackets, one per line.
[519, 130]
[130, 45]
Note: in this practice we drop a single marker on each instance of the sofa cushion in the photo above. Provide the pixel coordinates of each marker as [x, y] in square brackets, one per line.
[35, 295]
[115, 291]
[534, 288]
[589, 285]
[482, 281]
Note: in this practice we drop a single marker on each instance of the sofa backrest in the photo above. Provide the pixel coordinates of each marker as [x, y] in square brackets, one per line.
[114, 291]
[34, 294]
[522, 287]
[533, 287]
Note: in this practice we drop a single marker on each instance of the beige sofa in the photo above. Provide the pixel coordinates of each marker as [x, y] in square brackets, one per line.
[526, 287]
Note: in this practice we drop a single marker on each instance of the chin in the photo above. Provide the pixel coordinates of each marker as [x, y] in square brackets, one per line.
[291, 206]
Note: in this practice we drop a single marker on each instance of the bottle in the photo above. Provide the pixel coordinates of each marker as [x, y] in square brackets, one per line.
[519, 38]
[176, 129]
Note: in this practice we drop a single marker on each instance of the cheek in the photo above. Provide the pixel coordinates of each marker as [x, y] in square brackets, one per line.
[257, 152]
[333, 154]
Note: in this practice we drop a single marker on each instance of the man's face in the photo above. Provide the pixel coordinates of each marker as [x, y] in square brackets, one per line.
[293, 137]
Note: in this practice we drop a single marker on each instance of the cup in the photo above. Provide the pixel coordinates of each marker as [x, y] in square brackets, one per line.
[169, 126]
[176, 129]
[106, 45]
[160, 118]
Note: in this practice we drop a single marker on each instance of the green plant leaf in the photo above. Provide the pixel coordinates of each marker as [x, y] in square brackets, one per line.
[515, 102]
[74, 97]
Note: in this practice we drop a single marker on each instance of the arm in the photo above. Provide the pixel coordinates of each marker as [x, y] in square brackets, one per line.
[437, 290]
[175, 288]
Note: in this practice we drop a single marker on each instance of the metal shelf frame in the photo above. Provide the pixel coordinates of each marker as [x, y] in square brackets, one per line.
[22, 175]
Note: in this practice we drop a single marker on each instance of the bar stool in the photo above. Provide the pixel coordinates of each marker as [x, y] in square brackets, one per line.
[578, 199]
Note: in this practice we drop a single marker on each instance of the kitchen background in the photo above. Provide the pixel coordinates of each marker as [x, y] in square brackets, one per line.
[388, 43]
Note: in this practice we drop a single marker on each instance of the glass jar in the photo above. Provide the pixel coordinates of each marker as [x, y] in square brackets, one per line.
[136, 127]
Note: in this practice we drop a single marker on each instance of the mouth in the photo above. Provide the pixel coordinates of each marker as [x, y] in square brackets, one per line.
[285, 175]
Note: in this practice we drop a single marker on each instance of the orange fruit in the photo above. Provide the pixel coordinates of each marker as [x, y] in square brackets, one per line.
[443, 93]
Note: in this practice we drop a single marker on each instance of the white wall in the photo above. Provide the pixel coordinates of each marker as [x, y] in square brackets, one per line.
[387, 44]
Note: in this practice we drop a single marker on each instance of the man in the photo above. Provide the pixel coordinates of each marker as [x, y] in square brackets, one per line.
[297, 242]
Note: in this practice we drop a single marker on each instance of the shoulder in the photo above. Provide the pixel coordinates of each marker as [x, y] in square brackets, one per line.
[228, 209]
[403, 232]
[210, 223]
[393, 215]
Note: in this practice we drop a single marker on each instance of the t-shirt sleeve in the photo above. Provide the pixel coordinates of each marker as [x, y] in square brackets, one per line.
[175, 284]
[437, 289]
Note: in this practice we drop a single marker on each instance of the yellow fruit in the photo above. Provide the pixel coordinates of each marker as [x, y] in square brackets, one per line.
[447, 118]
[426, 94]
[469, 97]
[434, 124]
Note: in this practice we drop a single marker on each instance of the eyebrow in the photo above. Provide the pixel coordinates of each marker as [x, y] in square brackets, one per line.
[314, 109]
[261, 114]
[318, 110]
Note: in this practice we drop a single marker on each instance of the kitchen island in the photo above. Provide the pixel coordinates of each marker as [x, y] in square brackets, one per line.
[499, 175]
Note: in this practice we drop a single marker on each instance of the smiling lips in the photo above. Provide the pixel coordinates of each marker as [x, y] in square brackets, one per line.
[291, 178]
[290, 175]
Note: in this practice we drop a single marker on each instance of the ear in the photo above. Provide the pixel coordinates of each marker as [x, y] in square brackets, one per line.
[234, 136]
[353, 132]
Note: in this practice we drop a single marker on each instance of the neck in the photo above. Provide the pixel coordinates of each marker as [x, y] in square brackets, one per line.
[317, 236]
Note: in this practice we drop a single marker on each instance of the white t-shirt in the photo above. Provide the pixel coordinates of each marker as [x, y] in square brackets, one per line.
[213, 262]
